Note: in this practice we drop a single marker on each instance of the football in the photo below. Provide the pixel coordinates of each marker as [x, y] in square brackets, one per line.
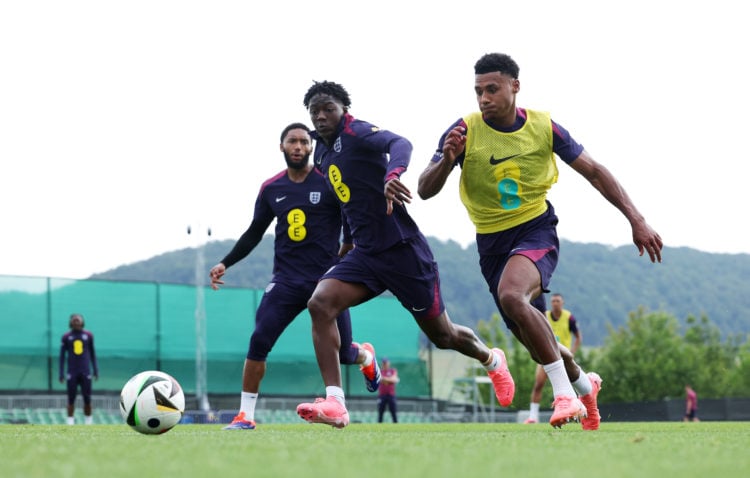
[152, 402]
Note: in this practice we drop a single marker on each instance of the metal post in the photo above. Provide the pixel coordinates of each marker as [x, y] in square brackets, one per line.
[429, 369]
[159, 337]
[201, 378]
[50, 361]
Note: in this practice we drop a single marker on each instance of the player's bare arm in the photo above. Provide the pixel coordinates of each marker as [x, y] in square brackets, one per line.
[644, 237]
[216, 274]
[433, 178]
[395, 191]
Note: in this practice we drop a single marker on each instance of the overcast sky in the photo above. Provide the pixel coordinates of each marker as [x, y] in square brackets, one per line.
[121, 123]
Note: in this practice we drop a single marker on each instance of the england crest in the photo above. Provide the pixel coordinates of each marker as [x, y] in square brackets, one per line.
[315, 197]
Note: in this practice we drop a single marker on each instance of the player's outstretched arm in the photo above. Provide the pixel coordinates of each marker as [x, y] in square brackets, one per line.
[644, 237]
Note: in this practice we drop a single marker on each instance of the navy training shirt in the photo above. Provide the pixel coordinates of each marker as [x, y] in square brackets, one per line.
[78, 345]
[356, 166]
[308, 227]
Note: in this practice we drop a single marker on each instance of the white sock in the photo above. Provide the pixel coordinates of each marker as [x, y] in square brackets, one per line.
[70, 420]
[493, 362]
[88, 419]
[558, 378]
[534, 411]
[337, 393]
[368, 358]
[582, 384]
[247, 404]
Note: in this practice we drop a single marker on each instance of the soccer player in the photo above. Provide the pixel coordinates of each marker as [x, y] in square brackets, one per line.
[308, 229]
[506, 154]
[78, 345]
[387, 391]
[565, 328]
[390, 253]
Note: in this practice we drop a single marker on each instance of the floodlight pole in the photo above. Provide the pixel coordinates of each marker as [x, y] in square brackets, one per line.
[201, 376]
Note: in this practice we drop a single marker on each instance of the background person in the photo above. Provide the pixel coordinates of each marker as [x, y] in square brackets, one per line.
[691, 405]
[568, 335]
[387, 391]
[78, 345]
[308, 228]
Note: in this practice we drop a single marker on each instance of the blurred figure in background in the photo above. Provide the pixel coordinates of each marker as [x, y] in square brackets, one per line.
[387, 391]
[691, 405]
[78, 345]
[565, 328]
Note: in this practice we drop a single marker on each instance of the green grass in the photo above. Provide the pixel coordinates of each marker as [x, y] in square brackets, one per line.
[663, 450]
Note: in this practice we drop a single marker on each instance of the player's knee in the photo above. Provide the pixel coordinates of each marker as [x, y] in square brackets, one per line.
[316, 305]
[322, 309]
[510, 301]
[259, 349]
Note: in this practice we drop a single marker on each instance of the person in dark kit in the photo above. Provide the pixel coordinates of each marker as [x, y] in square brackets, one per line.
[306, 244]
[78, 345]
[362, 165]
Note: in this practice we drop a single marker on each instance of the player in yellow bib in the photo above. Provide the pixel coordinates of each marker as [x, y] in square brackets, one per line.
[507, 160]
[565, 328]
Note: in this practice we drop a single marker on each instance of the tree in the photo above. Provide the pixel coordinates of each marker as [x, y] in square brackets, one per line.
[649, 360]
[645, 360]
[739, 375]
[710, 360]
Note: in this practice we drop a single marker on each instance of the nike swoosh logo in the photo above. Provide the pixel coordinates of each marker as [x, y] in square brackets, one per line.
[279, 199]
[498, 161]
[418, 310]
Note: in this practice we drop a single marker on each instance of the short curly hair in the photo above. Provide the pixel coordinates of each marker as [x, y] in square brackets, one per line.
[329, 88]
[497, 62]
[293, 126]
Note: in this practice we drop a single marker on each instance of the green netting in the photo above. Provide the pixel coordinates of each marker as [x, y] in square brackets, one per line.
[141, 326]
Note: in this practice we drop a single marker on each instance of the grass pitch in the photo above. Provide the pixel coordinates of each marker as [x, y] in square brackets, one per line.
[715, 449]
